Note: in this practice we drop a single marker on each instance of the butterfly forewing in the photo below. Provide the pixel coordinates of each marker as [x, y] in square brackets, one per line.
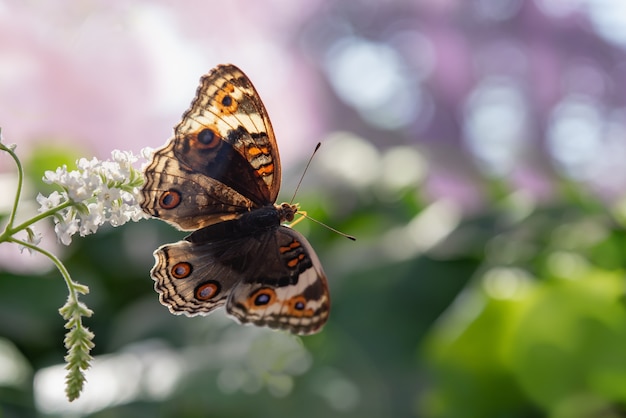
[227, 134]
[185, 198]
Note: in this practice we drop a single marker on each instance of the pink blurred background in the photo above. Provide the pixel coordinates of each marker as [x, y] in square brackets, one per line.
[517, 90]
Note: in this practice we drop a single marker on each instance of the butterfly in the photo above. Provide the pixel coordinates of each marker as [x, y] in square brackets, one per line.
[219, 177]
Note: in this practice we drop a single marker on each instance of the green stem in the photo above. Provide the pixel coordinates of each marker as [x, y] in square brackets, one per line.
[9, 230]
[20, 179]
[59, 265]
[42, 215]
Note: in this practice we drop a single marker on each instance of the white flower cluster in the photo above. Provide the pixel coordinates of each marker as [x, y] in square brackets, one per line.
[99, 192]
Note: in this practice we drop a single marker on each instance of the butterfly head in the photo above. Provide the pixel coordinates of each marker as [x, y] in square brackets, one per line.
[287, 211]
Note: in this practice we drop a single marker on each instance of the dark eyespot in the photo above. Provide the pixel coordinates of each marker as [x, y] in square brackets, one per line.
[207, 290]
[170, 199]
[227, 101]
[181, 270]
[299, 306]
[262, 299]
[206, 137]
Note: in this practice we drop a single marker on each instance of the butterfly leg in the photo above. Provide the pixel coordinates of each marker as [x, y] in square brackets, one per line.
[297, 221]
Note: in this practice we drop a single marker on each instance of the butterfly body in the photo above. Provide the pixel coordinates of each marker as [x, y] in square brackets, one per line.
[219, 177]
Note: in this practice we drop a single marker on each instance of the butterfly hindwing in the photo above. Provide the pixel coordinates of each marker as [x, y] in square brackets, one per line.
[190, 279]
[274, 279]
[296, 299]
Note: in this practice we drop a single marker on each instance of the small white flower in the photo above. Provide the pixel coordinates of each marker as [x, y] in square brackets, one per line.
[50, 202]
[124, 159]
[51, 177]
[110, 195]
[118, 217]
[104, 191]
[65, 229]
[33, 237]
[90, 222]
[86, 165]
[147, 153]
[136, 214]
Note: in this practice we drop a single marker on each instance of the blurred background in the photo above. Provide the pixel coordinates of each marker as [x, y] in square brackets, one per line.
[476, 149]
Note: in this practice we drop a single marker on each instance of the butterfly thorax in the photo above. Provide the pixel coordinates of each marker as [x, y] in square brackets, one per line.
[266, 217]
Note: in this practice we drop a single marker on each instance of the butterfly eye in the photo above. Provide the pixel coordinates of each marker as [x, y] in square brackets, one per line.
[207, 290]
[170, 199]
[181, 270]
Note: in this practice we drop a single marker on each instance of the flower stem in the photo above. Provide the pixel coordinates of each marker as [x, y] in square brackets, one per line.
[42, 215]
[18, 192]
[72, 287]
[10, 230]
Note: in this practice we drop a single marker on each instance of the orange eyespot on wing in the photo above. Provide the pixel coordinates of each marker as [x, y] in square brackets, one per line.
[261, 297]
[206, 139]
[181, 270]
[170, 199]
[208, 290]
[224, 100]
[296, 306]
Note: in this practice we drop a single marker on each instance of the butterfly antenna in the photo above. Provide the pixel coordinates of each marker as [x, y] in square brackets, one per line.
[303, 214]
[350, 237]
[304, 172]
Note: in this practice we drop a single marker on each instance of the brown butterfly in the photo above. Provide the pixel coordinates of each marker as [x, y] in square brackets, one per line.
[219, 177]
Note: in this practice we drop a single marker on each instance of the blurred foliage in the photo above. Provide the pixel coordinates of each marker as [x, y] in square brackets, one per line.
[518, 312]
[49, 156]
